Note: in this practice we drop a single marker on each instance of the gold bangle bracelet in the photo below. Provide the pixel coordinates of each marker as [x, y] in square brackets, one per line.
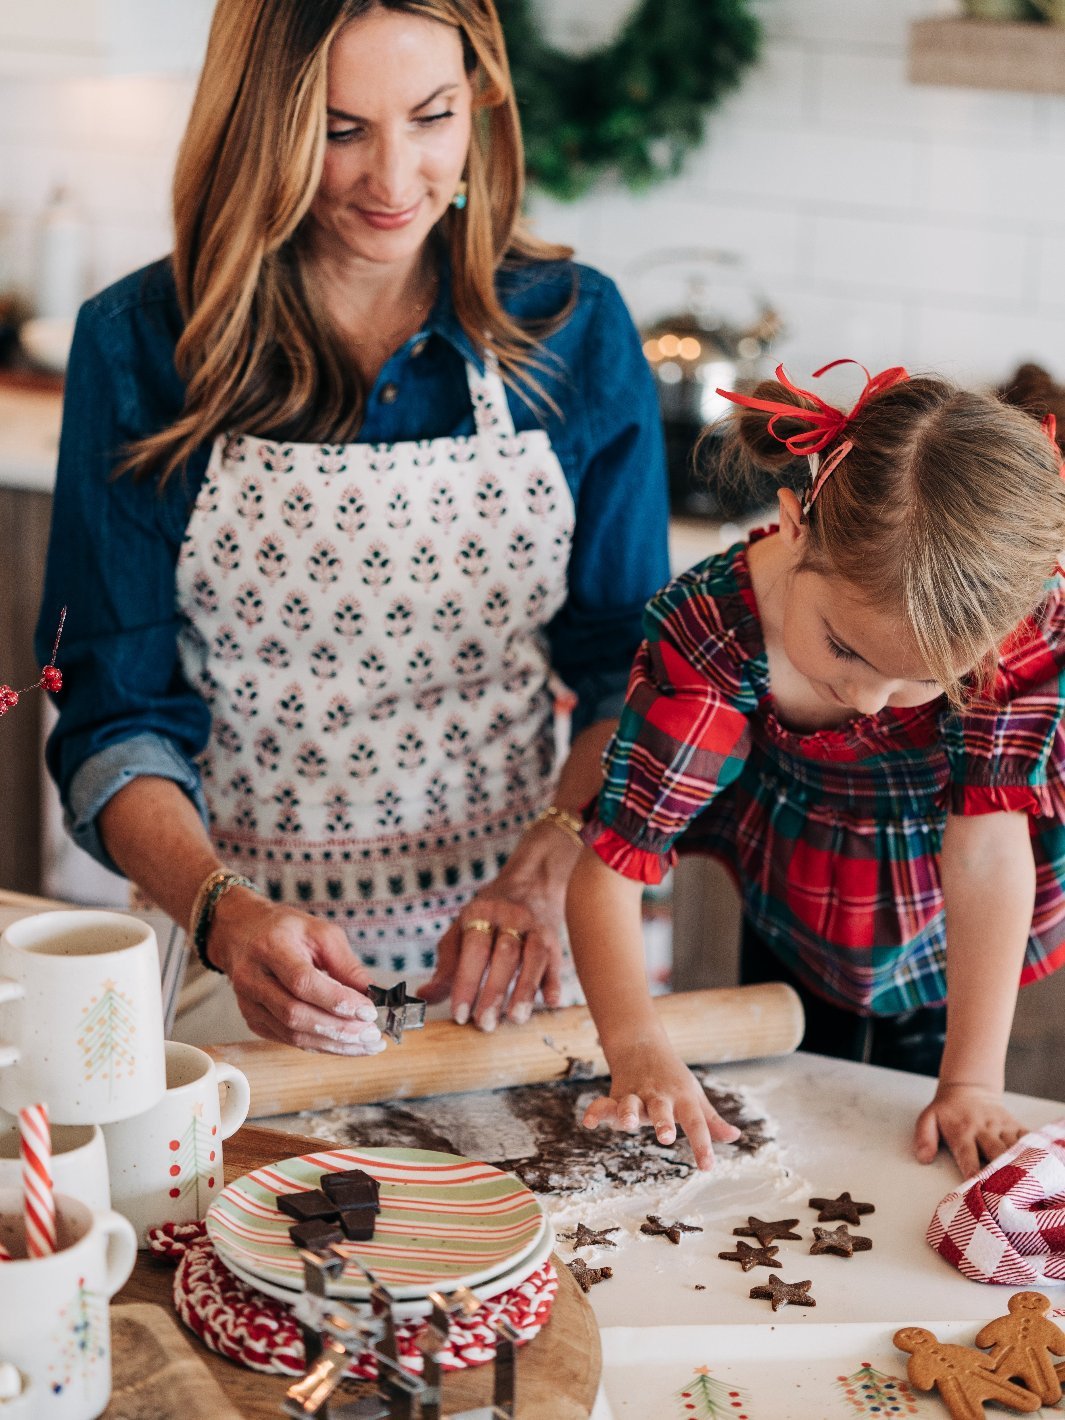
[198, 901]
[561, 819]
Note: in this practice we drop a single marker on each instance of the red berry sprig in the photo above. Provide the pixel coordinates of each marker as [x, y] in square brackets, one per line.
[51, 678]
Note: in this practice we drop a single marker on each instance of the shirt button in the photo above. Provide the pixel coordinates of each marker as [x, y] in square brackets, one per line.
[418, 348]
[389, 393]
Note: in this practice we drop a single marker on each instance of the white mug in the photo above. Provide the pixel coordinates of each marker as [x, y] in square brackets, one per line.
[81, 1016]
[56, 1320]
[166, 1164]
[79, 1167]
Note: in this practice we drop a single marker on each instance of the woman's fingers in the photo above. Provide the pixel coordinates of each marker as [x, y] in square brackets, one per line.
[266, 1025]
[537, 955]
[307, 982]
[475, 947]
[316, 1029]
[447, 954]
[505, 968]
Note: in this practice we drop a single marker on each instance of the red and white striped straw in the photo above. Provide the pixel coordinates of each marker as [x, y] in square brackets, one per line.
[38, 1197]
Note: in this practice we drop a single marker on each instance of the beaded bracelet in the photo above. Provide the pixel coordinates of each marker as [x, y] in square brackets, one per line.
[212, 890]
[563, 819]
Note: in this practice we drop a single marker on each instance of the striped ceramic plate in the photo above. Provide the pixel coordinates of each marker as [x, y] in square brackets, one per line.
[445, 1221]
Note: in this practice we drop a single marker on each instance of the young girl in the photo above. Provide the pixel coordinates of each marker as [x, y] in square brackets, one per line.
[860, 712]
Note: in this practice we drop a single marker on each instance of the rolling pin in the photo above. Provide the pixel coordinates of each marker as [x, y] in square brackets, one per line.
[705, 1028]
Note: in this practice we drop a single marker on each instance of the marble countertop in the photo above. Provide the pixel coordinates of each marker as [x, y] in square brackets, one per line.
[834, 1126]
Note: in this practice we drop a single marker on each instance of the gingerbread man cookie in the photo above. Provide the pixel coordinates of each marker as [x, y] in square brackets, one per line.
[964, 1378]
[1022, 1345]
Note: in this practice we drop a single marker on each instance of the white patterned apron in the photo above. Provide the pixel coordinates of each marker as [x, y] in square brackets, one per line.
[366, 624]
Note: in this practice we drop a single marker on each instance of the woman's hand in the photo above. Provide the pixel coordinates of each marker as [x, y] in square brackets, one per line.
[973, 1122]
[650, 1085]
[295, 977]
[509, 937]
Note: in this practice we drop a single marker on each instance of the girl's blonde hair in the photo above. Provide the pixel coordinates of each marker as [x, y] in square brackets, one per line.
[950, 506]
[258, 352]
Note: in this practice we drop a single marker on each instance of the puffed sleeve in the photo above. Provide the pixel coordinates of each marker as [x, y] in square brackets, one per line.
[125, 709]
[684, 735]
[1008, 755]
[620, 555]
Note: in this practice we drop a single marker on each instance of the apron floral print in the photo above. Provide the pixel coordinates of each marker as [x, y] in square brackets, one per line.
[365, 623]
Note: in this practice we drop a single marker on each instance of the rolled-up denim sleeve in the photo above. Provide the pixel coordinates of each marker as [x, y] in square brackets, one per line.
[620, 555]
[125, 709]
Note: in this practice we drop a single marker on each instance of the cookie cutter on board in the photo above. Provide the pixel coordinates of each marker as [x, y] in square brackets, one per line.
[333, 1334]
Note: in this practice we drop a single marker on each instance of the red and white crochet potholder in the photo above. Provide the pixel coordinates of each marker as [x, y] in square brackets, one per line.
[244, 1325]
[1007, 1223]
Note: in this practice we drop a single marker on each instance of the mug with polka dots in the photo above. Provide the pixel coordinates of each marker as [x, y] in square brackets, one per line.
[166, 1164]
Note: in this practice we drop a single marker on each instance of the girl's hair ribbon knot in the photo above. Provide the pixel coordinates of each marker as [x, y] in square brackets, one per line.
[825, 423]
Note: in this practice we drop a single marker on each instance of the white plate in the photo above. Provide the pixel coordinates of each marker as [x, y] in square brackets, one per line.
[512, 1277]
[445, 1221]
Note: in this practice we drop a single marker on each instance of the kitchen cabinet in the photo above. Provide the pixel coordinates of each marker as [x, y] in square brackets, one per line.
[57, 38]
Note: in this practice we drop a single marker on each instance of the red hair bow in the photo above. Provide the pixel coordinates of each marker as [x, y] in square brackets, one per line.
[825, 423]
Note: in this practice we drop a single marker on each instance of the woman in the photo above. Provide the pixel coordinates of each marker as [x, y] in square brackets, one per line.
[340, 484]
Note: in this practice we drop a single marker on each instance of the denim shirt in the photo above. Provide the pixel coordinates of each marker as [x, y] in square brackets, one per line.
[125, 709]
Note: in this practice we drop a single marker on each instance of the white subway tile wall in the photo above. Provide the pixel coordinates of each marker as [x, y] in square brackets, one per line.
[885, 221]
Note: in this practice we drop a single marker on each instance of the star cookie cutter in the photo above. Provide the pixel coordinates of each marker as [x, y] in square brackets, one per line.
[396, 1011]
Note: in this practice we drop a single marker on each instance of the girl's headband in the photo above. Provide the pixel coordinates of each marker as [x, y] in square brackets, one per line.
[825, 423]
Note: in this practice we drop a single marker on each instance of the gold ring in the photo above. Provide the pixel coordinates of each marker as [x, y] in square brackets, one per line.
[510, 932]
[478, 924]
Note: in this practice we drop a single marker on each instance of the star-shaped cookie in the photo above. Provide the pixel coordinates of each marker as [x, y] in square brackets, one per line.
[587, 1276]
[783, 1294]
[842, 1209]
[840, 1241]
[657, 1229]
[589, 1237]
[749, 1257]
[768, 1232]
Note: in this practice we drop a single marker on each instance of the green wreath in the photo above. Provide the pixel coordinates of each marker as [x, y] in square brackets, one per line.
[635, 108]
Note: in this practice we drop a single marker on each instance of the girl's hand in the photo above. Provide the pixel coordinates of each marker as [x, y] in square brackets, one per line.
[509, 937]
[971, 1121]
[651, 1085]
[295, 976]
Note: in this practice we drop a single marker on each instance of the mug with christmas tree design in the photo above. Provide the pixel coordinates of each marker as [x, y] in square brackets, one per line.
[166, 1164]
[81, 1016]
[55, 1310]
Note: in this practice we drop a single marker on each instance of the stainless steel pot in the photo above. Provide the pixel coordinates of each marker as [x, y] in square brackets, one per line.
[693, 353]
[698, 349]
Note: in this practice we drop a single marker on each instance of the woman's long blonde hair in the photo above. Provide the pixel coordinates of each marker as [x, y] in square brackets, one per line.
[950, 506]
[258, 352]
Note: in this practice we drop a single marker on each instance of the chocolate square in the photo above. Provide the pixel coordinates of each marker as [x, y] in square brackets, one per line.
[358, 1223]
[352, 1189]
[316, 1235]
[301, 1206]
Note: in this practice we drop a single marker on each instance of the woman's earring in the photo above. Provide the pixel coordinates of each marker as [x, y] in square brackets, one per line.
[461, 195]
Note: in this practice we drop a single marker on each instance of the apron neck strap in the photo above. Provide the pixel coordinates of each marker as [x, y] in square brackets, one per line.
[488, 395]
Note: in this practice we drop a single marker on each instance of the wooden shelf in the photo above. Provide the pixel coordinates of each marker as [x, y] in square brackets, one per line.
[988, 54]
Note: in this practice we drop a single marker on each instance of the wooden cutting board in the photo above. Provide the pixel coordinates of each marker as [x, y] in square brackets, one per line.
[558, 1372]
[155, 1373]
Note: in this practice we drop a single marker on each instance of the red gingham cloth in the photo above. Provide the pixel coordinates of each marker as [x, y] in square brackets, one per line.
[1007, 1223]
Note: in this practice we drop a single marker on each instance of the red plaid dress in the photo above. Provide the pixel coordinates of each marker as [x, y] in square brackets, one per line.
[833, 837]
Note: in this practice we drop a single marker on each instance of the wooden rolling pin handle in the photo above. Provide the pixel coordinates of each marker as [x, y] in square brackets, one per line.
[705, 1028]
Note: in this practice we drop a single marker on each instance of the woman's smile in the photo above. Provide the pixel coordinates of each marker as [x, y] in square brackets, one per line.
[387, 221]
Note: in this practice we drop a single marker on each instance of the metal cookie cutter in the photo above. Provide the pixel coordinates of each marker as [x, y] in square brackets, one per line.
[396, 1011]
